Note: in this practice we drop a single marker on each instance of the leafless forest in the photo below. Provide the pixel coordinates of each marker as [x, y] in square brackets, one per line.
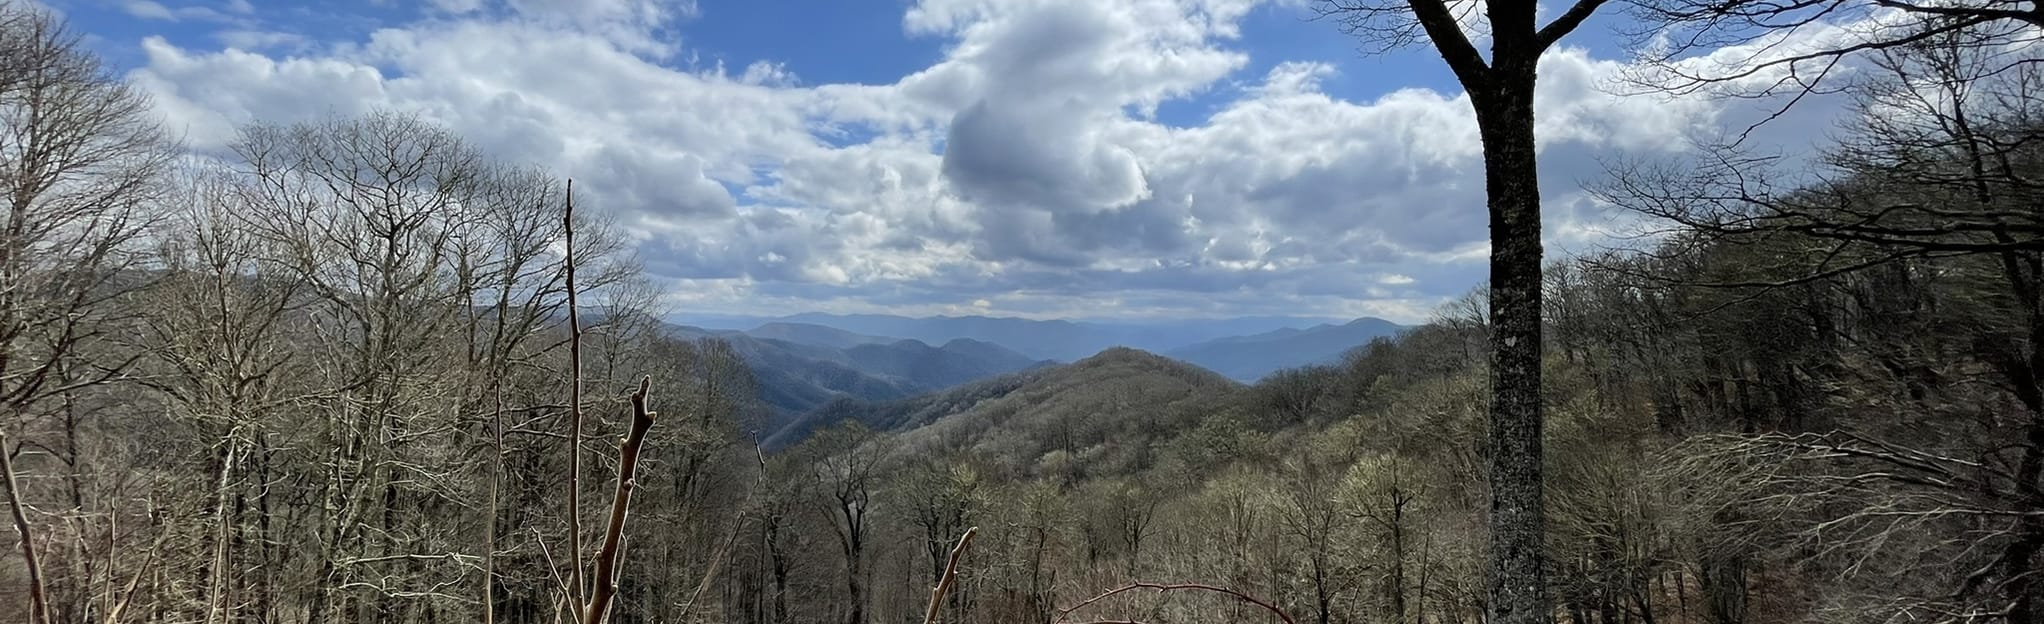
[357, 371]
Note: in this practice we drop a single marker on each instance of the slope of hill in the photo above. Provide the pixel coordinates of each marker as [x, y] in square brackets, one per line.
[1105, 409]
[899, 414]
[1249, 358]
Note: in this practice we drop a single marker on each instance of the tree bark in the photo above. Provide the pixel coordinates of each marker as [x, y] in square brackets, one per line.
[1504, 112]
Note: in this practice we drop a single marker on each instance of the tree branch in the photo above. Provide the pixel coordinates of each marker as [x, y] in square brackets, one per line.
[1567, 23]
[950, 572]
[628, 465]
[1450, 41]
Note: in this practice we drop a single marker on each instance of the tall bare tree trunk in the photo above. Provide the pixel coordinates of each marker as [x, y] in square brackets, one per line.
[496, 496]
[577, 590]
[216, 599]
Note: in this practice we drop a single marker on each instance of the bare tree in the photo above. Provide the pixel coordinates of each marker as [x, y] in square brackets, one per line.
[1937, 182]
[79, 158]
[430, 273]
[846, 460]
[220, 359]
[1762, 48]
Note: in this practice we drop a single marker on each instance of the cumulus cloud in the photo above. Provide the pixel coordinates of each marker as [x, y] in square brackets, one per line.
[1023, 172]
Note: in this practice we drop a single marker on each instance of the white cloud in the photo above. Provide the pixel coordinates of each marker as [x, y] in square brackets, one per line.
[263, 40]
[152, 10]
[457, 7]
[146, 9]
[1024, 170]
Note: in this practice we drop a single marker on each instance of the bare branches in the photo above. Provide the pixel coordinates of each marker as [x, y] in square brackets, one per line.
[1749, 48]
[1455, 27]
[1940, 168]
[1064, 616]
[1392, 24]
[79, 154]
[1858, 501]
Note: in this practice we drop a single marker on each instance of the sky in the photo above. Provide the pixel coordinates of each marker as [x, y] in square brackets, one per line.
[1120, 159]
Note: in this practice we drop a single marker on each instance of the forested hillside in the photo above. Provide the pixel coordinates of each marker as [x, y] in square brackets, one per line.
[336, 376]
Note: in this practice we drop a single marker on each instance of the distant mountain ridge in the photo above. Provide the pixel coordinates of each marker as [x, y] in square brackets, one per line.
[812, 334]
[1061, 340]
[809, 366]
[796, 377]
[1249, 358]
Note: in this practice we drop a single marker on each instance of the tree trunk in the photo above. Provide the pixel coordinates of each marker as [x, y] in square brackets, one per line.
[2018, 559]
[1397, 593]
[217, 604]
[1321, 600]
[2023, 272]
[38, 594]
[778, 557]
[1426, 555]
[1724, 588]
[1504, 107]
[855, 587]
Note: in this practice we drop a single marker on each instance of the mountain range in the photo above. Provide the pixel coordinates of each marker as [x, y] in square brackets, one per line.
[796, 377]
[1061, 340]
[1249, 358]
[816, 369]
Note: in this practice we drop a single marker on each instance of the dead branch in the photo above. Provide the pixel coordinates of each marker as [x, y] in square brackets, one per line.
[950, 573]
[553, 568]
[608, 555]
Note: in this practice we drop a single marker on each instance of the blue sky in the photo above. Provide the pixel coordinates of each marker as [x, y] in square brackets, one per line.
[1043, 158]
